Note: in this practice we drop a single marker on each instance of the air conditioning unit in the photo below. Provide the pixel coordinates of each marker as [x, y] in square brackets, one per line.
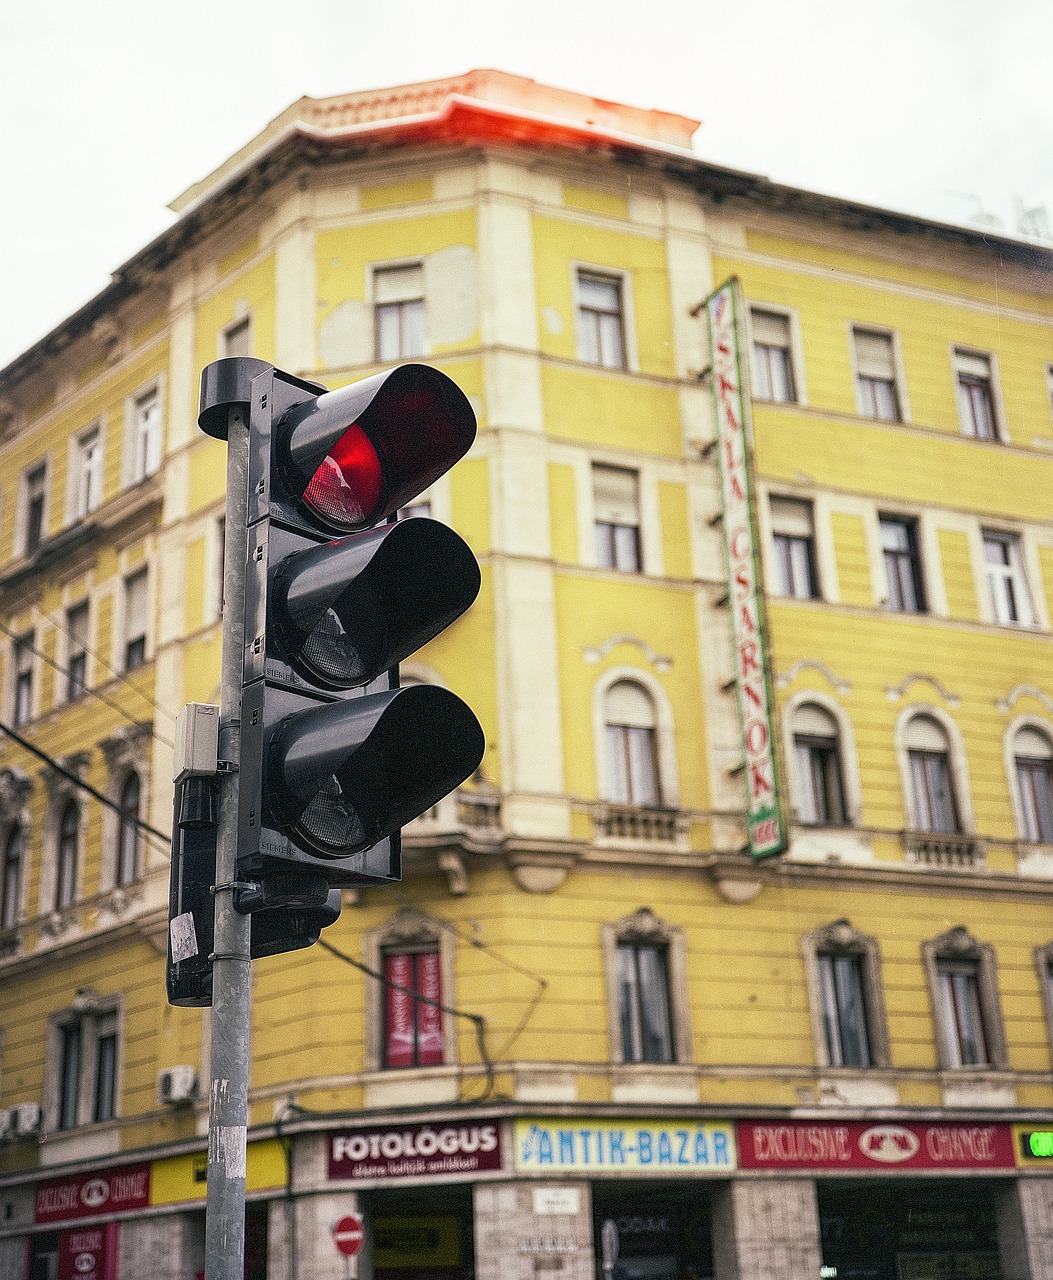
[176, 1085]
[7, 1124]
[25, 1118]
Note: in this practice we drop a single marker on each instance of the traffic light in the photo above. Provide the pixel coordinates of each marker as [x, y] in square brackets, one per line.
[335, 757]
[192, 904]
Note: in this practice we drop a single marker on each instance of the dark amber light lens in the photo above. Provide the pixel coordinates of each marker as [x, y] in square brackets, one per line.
[348, 485]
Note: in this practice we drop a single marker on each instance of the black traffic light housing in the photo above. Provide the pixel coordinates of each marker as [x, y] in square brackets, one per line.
[335, 757]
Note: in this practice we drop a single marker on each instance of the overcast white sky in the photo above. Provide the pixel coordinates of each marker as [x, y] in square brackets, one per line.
[111, 108]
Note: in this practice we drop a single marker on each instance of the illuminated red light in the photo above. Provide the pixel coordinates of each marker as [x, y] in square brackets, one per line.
[348, 486]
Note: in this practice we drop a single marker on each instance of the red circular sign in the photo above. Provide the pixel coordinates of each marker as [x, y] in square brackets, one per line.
[348, 1235]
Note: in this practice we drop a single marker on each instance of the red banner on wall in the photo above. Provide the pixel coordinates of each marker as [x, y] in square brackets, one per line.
[412, 1018]
[88, 1253]
[887, 1148]
[93, 1195]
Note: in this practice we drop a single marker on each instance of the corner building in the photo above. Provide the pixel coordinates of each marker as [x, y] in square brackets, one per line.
[655, 1055]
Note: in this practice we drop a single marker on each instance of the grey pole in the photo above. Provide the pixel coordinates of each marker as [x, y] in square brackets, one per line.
[231, 969]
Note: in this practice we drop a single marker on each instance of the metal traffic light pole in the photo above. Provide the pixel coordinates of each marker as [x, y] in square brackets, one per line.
[231, 969]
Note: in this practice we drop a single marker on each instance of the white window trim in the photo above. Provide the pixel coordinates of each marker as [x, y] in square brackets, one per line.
[959, 944]
[796, 350]
[997, 405]
[651, 557]
[1032, 575]
[73, 470]
[22, 509]
[643, 926]
[19, 633]
[963, 797]
[126, 752]
[406, 930]
[898, 374]
[120, 630]
[933, 585]
[664, 734]
[828, 587]
[128, 468]
[1015, 725]
[393, 264]
[625, 279]
[243, 315]
[846, 740]
[87, 1009]
[843, 937]
[60, 792]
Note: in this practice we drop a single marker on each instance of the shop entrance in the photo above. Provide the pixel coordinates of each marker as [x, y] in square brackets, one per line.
[934, 1230]
[421, 1234]
[652, 1231]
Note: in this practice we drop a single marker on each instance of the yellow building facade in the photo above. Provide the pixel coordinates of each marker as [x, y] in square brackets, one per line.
[638, 1051]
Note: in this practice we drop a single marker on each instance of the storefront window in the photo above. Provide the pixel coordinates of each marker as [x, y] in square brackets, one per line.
[646, 1233]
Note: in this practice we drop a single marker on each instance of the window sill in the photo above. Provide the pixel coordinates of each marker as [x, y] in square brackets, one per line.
[654, 1083]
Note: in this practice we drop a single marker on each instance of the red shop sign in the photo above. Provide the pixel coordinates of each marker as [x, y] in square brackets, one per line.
[413, 1150]
[88, 1253]
[93, 1195]
[884, 1147]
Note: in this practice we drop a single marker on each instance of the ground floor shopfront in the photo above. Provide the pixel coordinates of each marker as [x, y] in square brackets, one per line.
[571, 1197]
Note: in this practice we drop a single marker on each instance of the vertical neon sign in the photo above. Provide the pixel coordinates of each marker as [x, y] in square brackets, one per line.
[764, 820]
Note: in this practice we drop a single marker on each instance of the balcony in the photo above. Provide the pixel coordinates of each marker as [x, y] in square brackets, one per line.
[943, 850]
[474, 814]
[639, 825]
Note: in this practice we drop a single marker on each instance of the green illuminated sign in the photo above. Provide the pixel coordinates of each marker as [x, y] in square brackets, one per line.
[1039, 1145]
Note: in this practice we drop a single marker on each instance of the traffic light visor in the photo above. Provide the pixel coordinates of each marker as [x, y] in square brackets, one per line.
[356, 455]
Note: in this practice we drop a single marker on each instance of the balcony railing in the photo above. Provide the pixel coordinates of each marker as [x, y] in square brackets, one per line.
[942, 849]
[477, 813]
[634, 822]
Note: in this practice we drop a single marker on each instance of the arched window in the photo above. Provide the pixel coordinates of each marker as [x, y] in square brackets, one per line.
[632, 760]
[69, 840]
[128, 831]
[817, 757]
[11, 884]
[1033, 764]
[935, 807]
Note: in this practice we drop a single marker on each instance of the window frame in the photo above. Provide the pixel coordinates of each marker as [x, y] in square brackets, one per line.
[957, 761]
[964, 380]
[77, 649]
[408, 931]
[589, 328]
[12, 870]
[635, 746]
[401, 308]
[794, 365]
[644, 928]
[230, 335]
[135, 645]
[94, 1025]
[611, 552]
[23, 678]
[1012, 575]
[908, 561]
[86, 472]
[1044, 967]
[1025, 820]
[832, 748]
[842, 938]
[867, 402]
[68, 841]
[422, 1012]
[786, 566]
[129, 833]
[33, 492]
[143, 449]
[958, 952]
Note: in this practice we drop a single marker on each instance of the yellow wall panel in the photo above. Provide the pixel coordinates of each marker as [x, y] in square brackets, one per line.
[853, 563]
[590, 200]
[390, 195]
[588, 405]
[563, 513]
[250, 292]
[958, 577]
[676, 530]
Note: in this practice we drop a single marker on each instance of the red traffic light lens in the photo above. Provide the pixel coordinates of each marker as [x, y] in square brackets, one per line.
[348, 485]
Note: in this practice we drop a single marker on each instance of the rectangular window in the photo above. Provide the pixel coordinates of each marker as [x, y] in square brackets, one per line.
[616, 505]
[772, 357]
[398, 308]
[146, 434]
[930, 776]
[412, 1018]
[77, 666]
[822, 799]
[135, 613]
[12, 878]
[976, 399]
[632, 766]
[601, 320]
[899, 547]
[237, 338]
[34, 498]
[643, 1003]
[876, 375]
[23, 679]
[86, 1085]
[793, 543]
[961, 1014]
[87, 472]
[1034, 780]
[69, 1076]
[1006, 579]
[844, 1009]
